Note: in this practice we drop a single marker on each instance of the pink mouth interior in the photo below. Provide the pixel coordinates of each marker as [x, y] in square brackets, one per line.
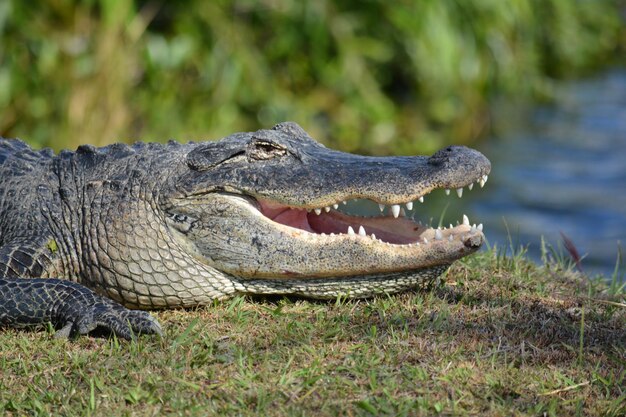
[386, 228]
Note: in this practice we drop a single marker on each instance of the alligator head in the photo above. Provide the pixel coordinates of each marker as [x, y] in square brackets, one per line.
[266, 206]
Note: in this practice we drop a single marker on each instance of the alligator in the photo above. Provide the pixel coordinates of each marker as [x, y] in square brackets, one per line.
[90, 239]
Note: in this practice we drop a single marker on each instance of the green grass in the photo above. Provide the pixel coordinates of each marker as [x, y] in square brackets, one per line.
[501, 336]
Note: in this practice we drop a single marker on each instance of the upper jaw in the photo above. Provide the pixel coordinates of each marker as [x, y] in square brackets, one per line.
[396, 202]
[320, 178]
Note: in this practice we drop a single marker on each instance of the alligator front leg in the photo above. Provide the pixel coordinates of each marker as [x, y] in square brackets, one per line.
[70, 307]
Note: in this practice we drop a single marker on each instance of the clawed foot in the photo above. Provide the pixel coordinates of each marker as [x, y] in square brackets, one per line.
[118, 320]
[72, 308]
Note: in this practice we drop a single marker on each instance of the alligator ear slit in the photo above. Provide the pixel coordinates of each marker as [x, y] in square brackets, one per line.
[204, 159]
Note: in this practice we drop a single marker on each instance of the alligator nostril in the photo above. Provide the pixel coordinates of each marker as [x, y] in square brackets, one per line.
[473, 242]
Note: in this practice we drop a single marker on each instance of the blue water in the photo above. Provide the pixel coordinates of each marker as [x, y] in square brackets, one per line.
[557, 168]
[562, 168]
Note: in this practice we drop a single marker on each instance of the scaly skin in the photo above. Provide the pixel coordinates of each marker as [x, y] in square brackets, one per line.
[75, 309]
[157, 226]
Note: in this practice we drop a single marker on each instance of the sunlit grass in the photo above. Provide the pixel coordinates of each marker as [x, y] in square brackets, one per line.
[500, 336]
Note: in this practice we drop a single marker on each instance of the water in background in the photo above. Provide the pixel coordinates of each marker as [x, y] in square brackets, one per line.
[562, 170]
[559, 168]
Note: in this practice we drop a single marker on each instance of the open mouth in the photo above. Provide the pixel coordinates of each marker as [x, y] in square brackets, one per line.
[253, 237]
[392, 226]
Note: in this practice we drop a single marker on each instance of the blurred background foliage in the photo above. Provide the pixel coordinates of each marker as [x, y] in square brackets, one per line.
[363, 76]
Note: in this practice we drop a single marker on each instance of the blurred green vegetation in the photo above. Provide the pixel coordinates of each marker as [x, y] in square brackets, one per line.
[365, 76]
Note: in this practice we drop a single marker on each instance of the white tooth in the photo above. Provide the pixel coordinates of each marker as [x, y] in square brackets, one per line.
[362, 231]
[417, 243]
[480, 227]
[421, 199]
[332, 234]
[451, 226]
[409, 205]
[470, 186]
[335, 206]
[373, 236]
[344, 202]
[318, 211]
[425, 240]
[459, 192]
[350, 230]
[395, 210]
[381, 207]
[447, 191]
[450, 238]
[465, 220]
[485, 178]
[473, 230]
[438, 235]
[326, 209]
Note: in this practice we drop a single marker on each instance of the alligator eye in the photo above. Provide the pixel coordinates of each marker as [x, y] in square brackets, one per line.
[182, 222]
[262, 150]
[180, 218]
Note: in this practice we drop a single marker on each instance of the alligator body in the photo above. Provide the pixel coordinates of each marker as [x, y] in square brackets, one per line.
[153, 226]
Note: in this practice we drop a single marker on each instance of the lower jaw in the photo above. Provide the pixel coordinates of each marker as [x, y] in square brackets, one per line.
[289, 254]
[267, 250]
